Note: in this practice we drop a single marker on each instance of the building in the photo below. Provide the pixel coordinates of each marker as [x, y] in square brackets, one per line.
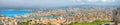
[116, 16]
[1, 21]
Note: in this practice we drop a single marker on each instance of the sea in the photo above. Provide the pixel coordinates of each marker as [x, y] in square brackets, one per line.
[12, 12]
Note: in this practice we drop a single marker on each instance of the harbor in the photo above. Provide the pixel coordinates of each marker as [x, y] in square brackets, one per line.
[58, 17]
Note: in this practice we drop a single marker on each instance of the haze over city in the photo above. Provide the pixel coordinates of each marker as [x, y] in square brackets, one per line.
[57, 3]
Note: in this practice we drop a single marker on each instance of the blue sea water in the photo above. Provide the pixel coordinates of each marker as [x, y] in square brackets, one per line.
[13, 12]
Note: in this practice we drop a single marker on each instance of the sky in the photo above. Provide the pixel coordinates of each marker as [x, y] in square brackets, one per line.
[55, 3]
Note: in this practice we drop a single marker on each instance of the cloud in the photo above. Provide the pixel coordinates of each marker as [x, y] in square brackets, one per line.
[35, 2]
[49, 3]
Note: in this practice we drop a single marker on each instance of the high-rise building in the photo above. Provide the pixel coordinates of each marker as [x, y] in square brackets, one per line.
[0, 20]
[116, 16]
[118, 9]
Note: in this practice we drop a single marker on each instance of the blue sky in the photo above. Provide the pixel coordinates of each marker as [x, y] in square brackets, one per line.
[55, 3]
